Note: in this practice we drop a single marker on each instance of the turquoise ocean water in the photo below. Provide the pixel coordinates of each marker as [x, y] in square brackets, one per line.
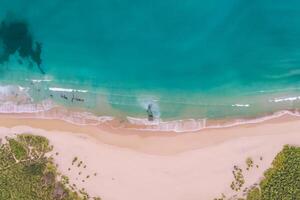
[189, 59]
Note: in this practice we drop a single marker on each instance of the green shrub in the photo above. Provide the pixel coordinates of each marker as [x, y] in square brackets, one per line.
[254, 194]
[18, 149]
[249, 163]
[282, 180]
[33, 176]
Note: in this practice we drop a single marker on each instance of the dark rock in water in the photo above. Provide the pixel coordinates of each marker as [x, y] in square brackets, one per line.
[16, 38]
[64, 96]
[150, 113]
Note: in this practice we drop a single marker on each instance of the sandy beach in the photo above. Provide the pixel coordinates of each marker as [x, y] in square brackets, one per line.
[124, 164]
[149, 100]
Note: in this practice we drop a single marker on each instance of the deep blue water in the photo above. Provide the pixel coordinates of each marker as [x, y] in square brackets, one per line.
[191, 58]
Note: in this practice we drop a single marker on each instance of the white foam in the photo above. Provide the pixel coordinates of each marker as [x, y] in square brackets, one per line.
[191, 125]
[18, 93]
[23, 88]
[282, 99]
[6, 89]
[143, 121]
[14, 99]
[256, 120]
[83, 118]
[40, 80]
[57, 89]
[12, 107]
[46, 79]
[40, 111]
[240, 105]
[83, 91]
[77, 118]
[187, 125]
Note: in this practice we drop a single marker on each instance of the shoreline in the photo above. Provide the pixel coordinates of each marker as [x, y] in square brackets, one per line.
[79, 116]
[147, 141]
[17, 100]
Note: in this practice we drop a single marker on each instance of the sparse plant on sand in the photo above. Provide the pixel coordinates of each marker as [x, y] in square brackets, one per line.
[280, 181]
[249, 163]
[74, 160]
[27, 173]
[239, 180]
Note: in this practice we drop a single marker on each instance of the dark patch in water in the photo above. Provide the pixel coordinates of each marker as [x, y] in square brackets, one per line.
[150, 113]
[15, 37]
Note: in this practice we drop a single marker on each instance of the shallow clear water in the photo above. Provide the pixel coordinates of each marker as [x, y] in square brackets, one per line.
[198, 59]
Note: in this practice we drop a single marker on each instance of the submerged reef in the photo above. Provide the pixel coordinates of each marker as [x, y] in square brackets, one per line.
[15, 37]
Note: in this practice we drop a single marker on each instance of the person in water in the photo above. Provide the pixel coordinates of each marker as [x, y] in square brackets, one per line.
[150, 113]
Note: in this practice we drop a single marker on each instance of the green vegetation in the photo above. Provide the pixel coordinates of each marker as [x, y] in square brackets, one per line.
[79, 164]
[26, 173]
[249, 163]
[282, 180]
[239, 180]
[74, 160]
[254, 194]
[260, 158]
[18, 149]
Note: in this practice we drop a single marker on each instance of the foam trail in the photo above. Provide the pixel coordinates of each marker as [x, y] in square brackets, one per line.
[18, 93]
[77, 118]
[283, 99]
[57, 89]
[187, 125]
[240, 105]
[192, 125]
[40, 80]
[12, 107]
[256, 120]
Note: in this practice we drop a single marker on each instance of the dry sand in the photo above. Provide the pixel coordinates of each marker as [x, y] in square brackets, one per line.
[135, 165]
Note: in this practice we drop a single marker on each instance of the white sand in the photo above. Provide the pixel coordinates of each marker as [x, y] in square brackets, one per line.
[199, 173]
